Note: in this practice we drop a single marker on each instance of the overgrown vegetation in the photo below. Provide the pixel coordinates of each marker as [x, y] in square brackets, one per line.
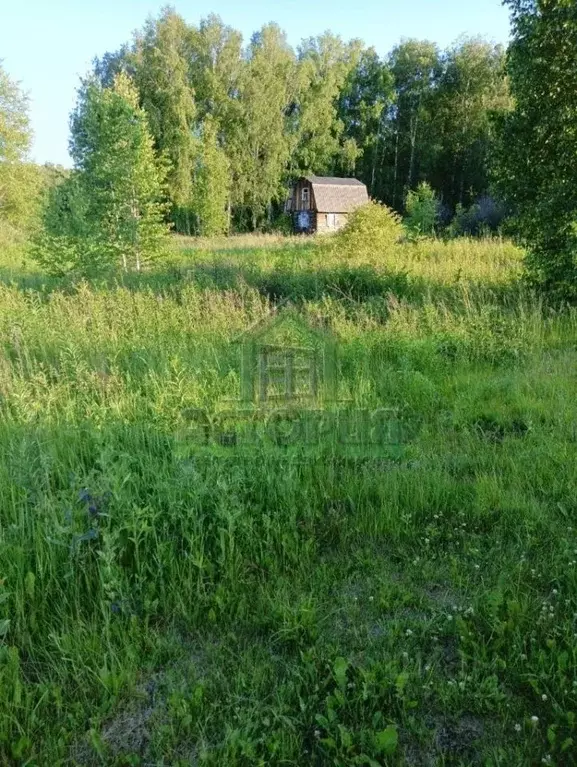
[160, 605]
[157, 608]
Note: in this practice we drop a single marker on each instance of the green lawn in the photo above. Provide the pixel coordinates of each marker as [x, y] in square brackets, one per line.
[161, 609]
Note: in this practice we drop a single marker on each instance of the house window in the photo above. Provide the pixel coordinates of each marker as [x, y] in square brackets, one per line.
[305, 195]
[331, 220]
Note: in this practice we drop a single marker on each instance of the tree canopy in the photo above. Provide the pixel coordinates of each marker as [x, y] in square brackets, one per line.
[330, 107]
[536, 172]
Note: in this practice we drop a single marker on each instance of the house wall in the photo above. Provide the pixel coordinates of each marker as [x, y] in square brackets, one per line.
[324, 225]
[297, 203]
[306, 219]
[303, 212]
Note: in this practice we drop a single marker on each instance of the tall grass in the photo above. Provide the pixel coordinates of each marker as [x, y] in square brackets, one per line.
[160, 609]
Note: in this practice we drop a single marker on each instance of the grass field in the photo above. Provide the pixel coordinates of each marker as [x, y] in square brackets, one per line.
[165, 610]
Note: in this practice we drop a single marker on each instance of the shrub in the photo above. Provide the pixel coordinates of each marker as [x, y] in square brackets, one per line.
[372, 229]
[422, 211]
[484, 216]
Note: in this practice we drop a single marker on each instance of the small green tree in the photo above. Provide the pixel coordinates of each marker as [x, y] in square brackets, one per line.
[113, 150]
[422, 211]
[110, 211]
[211, 184]
[66, 243]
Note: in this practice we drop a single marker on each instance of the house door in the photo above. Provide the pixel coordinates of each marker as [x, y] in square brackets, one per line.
[303, 221]
[331, 220]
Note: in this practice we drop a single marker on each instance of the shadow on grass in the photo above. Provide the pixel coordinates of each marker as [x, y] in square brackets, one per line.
[302, 283]
[294, 280]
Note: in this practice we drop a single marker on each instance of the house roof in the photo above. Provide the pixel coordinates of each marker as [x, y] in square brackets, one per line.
[337, 195]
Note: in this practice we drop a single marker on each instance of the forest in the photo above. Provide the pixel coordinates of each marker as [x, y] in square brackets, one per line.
[232, 123]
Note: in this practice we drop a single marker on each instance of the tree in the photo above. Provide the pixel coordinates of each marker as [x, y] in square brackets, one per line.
[538, 140]
[260, 144]
[416, 67]
[211, 182]
[20, 180]
[422, 207]
[471, 90]
[365, 102]
[162, 78]
[324, 64]
[110, 210]
[215, 66]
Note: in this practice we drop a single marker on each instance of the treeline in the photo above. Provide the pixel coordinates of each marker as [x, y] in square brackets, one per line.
[230, 125]
[236, 123]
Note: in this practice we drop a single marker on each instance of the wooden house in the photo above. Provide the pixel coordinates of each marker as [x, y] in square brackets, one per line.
[323, 203]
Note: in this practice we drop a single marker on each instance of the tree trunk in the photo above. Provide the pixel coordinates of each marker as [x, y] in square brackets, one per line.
[396, 174]
[414, 131]
[374, 168]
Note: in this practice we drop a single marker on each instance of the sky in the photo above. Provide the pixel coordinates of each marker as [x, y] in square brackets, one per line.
[47, 45]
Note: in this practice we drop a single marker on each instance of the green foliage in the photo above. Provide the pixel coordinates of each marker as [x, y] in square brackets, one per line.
[471, 90]
[325, 64]
[20, 180]
[537, 174]
[372, 229]
[422, 211]
[483, 217]
[211, 184]
[162, 78]
[365, 102]
[260, 142]
[109, 213]
[330, 108]
[416, 67]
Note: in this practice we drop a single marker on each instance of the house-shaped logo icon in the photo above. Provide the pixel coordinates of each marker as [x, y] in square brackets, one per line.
[286, 360]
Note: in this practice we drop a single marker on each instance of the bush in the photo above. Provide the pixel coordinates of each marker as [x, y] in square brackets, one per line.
[422, 211]
[280, 224]
[484, 216]
[370, 230]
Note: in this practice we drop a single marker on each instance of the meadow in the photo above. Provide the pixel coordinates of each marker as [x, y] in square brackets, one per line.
[156, 609]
